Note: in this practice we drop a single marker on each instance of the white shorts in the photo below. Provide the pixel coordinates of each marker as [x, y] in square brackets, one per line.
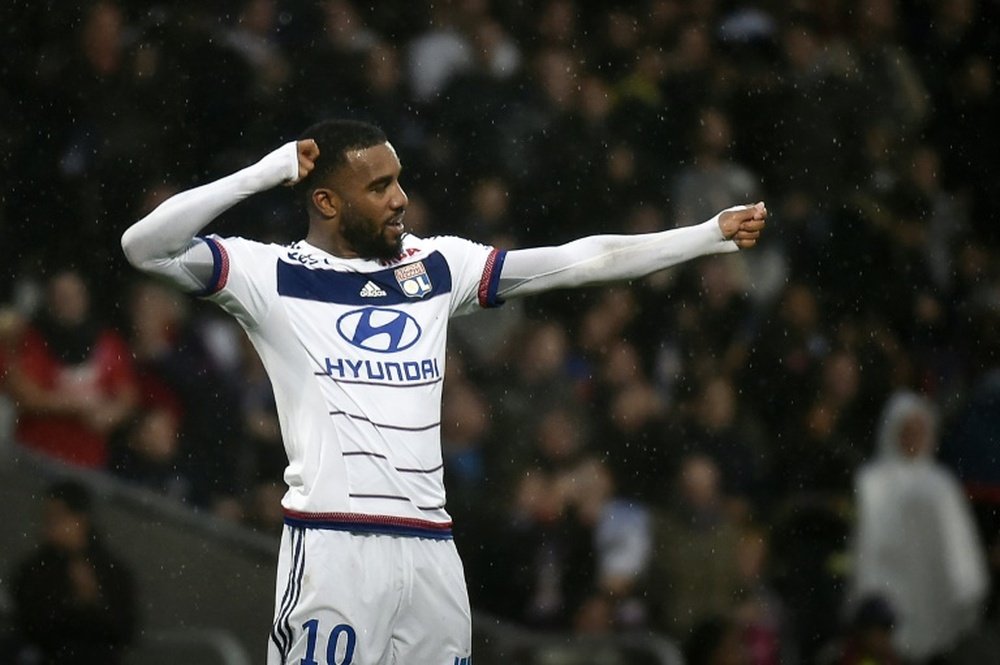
[357, 599]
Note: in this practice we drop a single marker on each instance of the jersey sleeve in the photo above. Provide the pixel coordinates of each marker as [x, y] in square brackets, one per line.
[603, 259]
[475, 273]
[243, 278]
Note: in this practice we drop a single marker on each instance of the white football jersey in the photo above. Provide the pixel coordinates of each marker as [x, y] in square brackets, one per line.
[355, 350]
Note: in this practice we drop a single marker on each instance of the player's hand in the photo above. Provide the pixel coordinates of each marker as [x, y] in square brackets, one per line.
[743, 224]
[307, 151]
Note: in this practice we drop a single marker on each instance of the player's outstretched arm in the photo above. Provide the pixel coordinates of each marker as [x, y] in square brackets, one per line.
[163, 242]
[610, 258]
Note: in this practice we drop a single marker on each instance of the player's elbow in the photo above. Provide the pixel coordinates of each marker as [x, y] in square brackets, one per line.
[130, 247]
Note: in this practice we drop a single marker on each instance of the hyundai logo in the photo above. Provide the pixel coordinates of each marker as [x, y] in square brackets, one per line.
[379, 329]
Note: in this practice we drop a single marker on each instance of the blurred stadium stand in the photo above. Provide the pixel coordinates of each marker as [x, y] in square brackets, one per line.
[205, 586]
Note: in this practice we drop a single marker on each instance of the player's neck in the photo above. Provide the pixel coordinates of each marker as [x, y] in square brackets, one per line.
[332, 245]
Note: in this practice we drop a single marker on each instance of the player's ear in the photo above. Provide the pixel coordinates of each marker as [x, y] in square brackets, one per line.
[326, 201]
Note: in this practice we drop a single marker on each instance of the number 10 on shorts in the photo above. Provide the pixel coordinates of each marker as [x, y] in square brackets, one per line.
[342, 635]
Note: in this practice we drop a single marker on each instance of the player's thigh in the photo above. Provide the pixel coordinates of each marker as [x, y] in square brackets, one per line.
[435, 624]
[337, 594]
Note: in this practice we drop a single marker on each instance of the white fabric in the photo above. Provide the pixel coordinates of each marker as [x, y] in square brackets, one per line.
[624, 540]
[361, 424]
[915, 541]
[608, 258]
[163, 242]
[402, 599]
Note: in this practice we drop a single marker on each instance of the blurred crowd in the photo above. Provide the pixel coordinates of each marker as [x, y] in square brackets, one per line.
[780, 456]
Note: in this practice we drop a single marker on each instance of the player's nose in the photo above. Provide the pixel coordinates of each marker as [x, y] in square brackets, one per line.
[399, 199]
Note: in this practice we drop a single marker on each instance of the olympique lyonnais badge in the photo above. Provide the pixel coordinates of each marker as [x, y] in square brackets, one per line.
[414, 280]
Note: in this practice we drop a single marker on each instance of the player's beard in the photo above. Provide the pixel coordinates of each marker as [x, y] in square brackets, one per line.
[370, 239]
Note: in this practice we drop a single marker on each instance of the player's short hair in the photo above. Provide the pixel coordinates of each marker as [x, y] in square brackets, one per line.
[334, 139]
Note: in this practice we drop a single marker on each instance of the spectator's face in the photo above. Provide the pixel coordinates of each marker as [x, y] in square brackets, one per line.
[464, 419]
[557, 78]
[700, 481]
[490, 199]
[372, 202]
[102, 37]
[799, 308]
[383, 69]
[157, 437]
[841, 377]
[155, 310]
[915, 436]
[718, 404]
[558, 436]
[714, 134]
[68, 299]
[63, 528]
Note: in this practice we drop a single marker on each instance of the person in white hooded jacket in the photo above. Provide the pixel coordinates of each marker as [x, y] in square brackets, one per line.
[915, 542]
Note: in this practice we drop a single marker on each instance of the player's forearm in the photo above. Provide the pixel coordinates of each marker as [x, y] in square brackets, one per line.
[609, 258]
[170, 229]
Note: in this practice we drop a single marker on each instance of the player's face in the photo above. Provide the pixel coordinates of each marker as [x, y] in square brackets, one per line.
[371, 217]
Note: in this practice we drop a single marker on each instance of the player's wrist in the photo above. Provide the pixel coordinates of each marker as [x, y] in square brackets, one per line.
[275, 168]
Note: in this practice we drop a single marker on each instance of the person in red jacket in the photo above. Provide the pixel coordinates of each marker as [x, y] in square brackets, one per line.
[71, 378]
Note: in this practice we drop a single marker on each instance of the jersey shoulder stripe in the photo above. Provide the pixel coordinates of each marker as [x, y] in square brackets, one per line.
[427, 278]
[220, 267]
[489, 284]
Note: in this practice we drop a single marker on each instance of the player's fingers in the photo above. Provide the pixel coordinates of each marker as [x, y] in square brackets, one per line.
[752, 225]
[306, 165]
[308, 149]
[747, 235]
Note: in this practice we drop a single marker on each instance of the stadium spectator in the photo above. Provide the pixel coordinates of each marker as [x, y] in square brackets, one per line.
[715, 427]
[786, 353]
[760, 610]
[623, 543]
[967, 448]
[550, 536]
[694, 573]
[151, 456]
[809, 542]
[884, 68]
[466, 451]
[825, 446]
[72, 379]
[915, 542]
[537, 379]
[178, 372]
[630, 423]
[715, 640]
[868, 638]
[75, 602]
[11, 329]
[712, 176]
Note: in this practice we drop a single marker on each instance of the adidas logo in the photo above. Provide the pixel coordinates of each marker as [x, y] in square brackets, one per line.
[371, 290]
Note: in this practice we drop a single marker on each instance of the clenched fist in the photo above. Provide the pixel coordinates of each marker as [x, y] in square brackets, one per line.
[743, 224]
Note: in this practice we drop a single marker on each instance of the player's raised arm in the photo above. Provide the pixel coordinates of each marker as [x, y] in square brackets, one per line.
[609, 258]
[163, 242]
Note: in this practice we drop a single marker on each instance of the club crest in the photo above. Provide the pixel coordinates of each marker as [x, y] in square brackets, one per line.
[414, 280]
